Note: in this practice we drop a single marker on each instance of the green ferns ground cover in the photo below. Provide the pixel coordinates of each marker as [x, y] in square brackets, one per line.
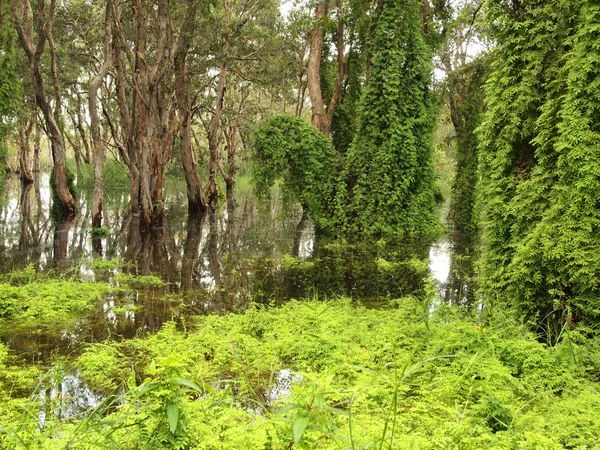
[396, 376]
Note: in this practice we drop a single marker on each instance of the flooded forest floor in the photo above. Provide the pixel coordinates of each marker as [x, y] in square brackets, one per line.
[245, 330]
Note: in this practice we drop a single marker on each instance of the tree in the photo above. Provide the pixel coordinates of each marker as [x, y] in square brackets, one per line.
[463, 94]
[465, 99]
[144, 58]
[99, 154]
[539, 163]
[321, 118]
[9, 83]
[289, 149]
[196, 200]
[25, 26]
[389, 171]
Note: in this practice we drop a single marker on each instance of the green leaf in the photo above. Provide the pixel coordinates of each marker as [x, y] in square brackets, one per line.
[173, 416]
[188, 383]
[144, 389]
[300, 425]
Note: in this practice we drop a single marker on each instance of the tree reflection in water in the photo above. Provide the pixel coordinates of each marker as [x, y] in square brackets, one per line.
[218, 262]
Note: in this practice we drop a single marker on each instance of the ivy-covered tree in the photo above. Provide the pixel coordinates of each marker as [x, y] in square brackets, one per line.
[389, 173]
[9, 83]
[539, 162]
[465, 98]
[291, 150]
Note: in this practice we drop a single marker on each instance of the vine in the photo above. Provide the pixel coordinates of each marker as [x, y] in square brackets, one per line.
[465, 92]
[539, 162]
[10, 87]
[389, 174]
[291, 150]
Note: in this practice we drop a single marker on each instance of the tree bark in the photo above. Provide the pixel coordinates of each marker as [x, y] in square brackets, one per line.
[213, 141]
[24, 24]
[320, 118]
[196, 202]
[37, 146]
[148, 124]
[25, 151]
[99, 153]
[81, 129]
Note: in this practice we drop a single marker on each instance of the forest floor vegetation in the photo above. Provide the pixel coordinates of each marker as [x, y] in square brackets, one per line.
[329, 374]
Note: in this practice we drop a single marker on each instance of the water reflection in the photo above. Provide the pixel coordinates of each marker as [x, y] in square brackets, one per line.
[215, 263]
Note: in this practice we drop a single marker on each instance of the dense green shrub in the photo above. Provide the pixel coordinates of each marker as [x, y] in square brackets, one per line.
[288, 149]
[48, 301]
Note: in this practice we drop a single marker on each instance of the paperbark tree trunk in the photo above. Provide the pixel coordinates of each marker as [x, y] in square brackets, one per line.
[321, 119]
[213, 141]
[147, 124]
[196, 202]
[99, 153]
[25, 151]
[37, 147]
[24, 24]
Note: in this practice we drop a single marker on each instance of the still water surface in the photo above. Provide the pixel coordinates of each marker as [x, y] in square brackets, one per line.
[216, 263]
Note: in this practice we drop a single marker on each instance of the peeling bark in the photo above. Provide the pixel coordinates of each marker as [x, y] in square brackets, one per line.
[321, 119]
[24, 24]
[99, 154]
[196, 202]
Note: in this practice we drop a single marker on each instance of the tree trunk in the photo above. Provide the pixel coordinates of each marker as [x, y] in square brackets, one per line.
[229, 176]
[148, 125]
[79, 123]
[37, 146]
[320, 118]
[25, 151]
[213, 141]
[25, 210]
[196, 202]
[24, 16]
[99, 154]
[215, 122]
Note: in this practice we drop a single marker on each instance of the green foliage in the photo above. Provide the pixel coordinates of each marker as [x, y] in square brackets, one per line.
[389, 169]
[138, 280]
[368, 271]
[354, 377]
[114, 175]
[465, 92]
[10, 87]
[287, 148]
[99, 232]
[47, 301]
[539, 162]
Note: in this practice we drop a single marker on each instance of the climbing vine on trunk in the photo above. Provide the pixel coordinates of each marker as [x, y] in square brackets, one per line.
[540, 162]
[389, 175]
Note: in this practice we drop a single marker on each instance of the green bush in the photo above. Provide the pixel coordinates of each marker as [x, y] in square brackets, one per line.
[289, 149]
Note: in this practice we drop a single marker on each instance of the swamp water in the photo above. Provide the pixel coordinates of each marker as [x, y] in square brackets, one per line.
[185, 268]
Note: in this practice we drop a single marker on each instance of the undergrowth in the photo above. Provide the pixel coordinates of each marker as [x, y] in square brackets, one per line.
[325, 375]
